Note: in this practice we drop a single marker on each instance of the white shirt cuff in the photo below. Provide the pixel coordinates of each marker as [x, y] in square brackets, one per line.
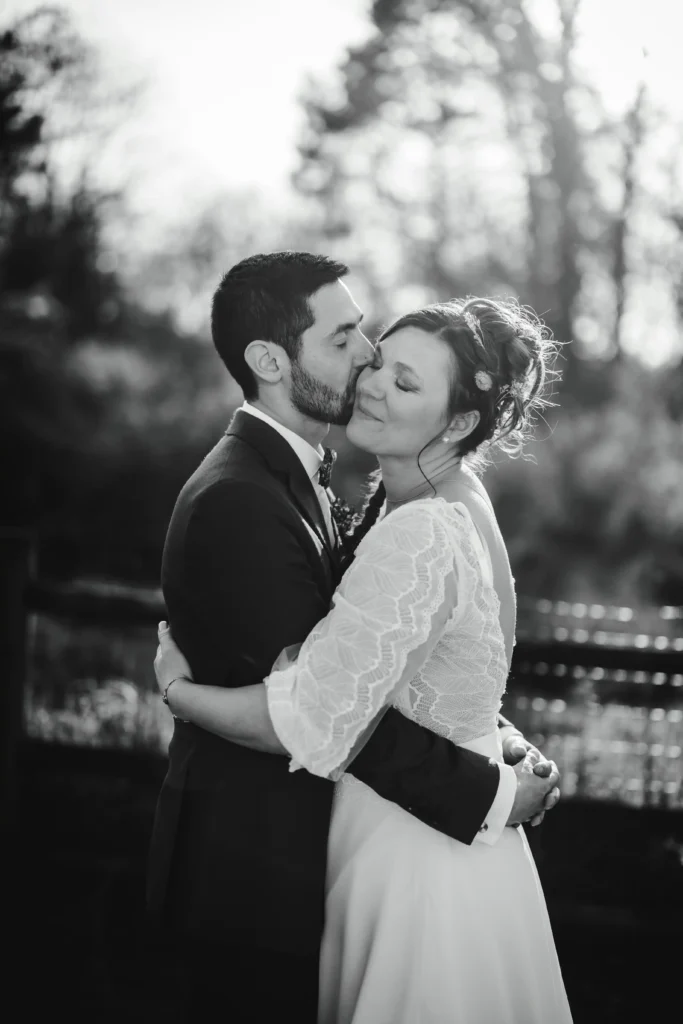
[496, 820]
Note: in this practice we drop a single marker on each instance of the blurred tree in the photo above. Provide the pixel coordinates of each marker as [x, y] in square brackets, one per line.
[180, 274]
[51, 236]
[52, 288]
[161, 404]
[104, 408]
[462, 150]
[597, 516]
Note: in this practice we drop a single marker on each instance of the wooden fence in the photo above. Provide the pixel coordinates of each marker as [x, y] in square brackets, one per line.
[600, 688]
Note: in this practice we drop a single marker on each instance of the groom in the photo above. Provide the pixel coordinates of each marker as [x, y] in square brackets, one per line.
[251, 561]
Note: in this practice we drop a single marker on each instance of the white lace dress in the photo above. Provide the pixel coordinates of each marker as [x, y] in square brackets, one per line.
[420, 929]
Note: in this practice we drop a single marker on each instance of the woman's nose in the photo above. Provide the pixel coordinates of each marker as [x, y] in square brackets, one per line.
[369, 384]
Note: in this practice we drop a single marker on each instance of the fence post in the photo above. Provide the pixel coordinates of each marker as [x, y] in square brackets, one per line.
[16, 558]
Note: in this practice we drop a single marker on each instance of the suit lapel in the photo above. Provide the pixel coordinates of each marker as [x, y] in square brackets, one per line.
[285, 463]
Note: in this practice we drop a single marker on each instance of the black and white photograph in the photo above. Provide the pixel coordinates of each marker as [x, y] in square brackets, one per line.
[341, 532]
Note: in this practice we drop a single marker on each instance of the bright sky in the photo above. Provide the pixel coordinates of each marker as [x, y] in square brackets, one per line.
[220, 108]
[222, 76]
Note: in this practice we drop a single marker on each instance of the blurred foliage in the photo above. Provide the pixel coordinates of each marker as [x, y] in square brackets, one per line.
[460, 149]
[99, 398]
[598, 514]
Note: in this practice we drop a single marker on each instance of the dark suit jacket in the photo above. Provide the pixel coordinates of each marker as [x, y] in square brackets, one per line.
[239, 843]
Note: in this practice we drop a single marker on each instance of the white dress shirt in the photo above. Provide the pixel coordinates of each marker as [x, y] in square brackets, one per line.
[311, 459]
[499, 811]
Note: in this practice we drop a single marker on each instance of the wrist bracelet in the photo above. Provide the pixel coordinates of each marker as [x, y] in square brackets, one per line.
[175, 679]
[164, 695]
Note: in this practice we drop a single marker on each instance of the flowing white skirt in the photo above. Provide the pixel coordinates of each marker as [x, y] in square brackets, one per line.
[421, 929]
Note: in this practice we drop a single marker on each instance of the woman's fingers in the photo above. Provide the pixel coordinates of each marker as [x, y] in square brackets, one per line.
[552, 798]
[517, 749]
[158, 659]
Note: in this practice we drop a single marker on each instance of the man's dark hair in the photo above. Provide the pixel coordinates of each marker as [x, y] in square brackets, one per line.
[265, 297]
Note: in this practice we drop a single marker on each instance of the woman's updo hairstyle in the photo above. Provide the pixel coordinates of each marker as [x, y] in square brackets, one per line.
[504, 368]
[504, 358]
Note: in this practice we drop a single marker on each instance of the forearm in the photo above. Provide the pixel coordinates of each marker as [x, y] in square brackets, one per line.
[239, 715]
[447, 787]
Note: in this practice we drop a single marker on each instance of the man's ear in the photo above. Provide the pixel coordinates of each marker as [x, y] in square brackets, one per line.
[266, 360]
[462, 425]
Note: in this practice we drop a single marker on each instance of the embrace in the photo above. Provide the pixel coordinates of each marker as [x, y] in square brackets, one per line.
[337, 838]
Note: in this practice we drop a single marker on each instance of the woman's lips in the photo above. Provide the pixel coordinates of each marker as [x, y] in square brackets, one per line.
[364, 412]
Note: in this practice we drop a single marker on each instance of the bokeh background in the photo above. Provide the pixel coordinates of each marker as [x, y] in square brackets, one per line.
[439, 147]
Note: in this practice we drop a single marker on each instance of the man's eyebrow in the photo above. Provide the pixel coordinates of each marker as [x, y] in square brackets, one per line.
[350, 325]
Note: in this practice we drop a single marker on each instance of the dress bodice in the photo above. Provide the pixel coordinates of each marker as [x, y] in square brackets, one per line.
[414, 624]
[457, 693]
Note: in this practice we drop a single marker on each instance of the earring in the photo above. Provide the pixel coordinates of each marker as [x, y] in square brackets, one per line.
[445, 439]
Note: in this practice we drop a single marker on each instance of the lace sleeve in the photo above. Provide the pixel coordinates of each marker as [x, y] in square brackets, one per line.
[387, 614]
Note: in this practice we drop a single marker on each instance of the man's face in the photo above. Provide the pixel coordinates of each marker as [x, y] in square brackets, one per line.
[333, 352]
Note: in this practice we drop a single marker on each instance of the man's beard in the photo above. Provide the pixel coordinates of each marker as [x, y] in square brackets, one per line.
[319, 401]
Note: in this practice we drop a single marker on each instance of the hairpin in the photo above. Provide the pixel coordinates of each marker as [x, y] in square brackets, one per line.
[483, 380]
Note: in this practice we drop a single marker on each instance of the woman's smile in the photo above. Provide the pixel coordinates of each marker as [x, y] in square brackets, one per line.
[360, 408]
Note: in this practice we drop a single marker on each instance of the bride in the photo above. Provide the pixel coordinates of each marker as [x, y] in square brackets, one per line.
[420, 929]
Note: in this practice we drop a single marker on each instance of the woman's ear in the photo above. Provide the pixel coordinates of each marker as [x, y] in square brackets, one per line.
[266, 360]
[462, 425]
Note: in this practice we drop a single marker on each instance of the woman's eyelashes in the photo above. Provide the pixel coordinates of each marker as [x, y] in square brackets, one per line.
[400, 384]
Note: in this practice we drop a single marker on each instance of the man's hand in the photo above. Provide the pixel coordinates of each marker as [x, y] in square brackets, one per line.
[515, 749]
[537, 781]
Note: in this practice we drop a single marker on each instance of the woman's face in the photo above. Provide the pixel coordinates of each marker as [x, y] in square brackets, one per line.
[402, 396]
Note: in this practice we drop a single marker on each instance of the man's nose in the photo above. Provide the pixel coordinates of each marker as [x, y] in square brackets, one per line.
[364, 353]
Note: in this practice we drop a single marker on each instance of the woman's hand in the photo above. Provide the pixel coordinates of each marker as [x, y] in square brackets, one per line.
[515, 749]
[169, 662]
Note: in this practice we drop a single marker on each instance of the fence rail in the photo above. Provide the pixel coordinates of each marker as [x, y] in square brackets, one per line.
[539, 621]
[96, 603]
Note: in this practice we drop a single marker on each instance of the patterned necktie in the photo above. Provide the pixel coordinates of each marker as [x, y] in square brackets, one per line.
[325, 471]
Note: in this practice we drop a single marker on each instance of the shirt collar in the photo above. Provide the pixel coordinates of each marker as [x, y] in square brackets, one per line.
[310, 457]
